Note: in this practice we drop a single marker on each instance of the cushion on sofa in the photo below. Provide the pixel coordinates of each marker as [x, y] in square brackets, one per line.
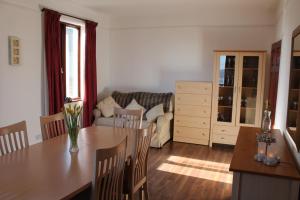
[135, 106]
[107, 105]
[145, 99]
[155, 112]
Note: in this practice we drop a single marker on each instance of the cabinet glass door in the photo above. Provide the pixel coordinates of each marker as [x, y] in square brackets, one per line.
[249, 89]
[226, 77]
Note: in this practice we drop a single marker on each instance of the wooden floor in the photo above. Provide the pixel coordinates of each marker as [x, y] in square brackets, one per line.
[182, 171]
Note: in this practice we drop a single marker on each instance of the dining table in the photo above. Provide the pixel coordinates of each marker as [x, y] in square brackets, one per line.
[47, 170]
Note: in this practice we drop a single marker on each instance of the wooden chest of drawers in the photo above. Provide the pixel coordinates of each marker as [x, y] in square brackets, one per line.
[192, 112]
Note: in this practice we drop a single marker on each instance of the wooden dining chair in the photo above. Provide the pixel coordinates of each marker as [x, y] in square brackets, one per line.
[52, 126]
[136, 172]
[109, 172]
[13, 137]
[124, 118]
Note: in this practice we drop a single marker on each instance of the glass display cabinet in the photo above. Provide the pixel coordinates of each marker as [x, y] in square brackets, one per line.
[238, 91]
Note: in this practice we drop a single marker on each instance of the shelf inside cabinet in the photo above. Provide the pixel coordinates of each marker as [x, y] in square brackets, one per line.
[294, 90]
[250, 68]
[253, 88]
[293, 111]
[246, 108]
[228, 107]
[225, 87]
[229, 68]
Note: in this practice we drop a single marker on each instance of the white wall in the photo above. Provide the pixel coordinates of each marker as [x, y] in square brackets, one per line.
[289, 20]
[152, 46]
[152, 58]
[21, 86]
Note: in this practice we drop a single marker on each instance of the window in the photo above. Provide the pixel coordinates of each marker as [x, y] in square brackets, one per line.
[71, 59]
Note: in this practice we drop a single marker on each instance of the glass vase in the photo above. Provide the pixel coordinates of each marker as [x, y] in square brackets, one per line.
[73, 135]
[266, 123]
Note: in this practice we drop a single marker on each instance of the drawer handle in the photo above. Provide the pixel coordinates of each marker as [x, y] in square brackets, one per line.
[222, 138]
[203, 134]
[178, 109]
[177, 120]
[203, 123]
[177, 131]
[178, 98]
[222, 130]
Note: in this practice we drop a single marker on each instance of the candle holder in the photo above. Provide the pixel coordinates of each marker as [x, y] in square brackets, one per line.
[271, 158]
[266, 150]
[261, 151]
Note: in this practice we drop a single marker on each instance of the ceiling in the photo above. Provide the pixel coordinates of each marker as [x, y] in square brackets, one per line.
[171, 7]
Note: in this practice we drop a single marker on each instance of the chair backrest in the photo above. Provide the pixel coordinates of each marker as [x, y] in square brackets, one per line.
[140, 157]
[124, 118]
[52, 125]
[13, 137]
[109, 172]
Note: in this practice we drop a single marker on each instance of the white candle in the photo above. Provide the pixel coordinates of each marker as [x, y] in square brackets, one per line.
[271, 155]
[261, 148]
[272, 151]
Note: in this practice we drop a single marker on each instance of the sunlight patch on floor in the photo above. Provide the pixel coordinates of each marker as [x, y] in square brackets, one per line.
[208, 170]
[199, 163]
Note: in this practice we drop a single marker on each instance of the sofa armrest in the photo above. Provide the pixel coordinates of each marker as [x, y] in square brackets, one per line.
[96, 113]
[168, 116]
[163, 122]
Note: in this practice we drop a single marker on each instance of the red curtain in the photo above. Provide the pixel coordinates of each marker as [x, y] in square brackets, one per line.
[90, 97]
[55, 80]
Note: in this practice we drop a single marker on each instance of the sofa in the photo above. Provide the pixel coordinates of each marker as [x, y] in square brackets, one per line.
[162, 124]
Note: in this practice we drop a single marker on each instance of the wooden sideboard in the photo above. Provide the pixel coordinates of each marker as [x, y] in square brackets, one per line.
[254, 180]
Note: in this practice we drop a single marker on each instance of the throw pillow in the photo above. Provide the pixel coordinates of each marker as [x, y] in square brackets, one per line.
[155, 112]
[134, 106]
[107, 105]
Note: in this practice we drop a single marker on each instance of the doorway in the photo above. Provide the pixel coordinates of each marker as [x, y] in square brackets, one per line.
[274, 73]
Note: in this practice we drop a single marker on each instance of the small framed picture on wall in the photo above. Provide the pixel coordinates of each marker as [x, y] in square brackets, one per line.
[14, 50]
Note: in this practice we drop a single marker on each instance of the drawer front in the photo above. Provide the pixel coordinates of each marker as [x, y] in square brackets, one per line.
[193, 87]
[190, 140]
[224, 139]
[193, 99]
[197, 111]
[195, 133]
[226, 130]
[196, 122]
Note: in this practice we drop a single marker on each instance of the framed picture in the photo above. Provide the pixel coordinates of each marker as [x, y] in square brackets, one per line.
[14, 50]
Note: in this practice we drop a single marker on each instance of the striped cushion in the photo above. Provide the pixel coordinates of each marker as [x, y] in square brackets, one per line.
[145, 99]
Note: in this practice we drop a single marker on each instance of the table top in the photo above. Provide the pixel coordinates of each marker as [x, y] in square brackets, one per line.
[48, 170]
[246, 147]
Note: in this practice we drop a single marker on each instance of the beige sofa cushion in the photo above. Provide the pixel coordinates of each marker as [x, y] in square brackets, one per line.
[155, 112]
[135, 106]
[107, 105]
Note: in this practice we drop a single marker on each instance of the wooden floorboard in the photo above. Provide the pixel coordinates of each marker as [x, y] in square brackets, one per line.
[182, 171]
